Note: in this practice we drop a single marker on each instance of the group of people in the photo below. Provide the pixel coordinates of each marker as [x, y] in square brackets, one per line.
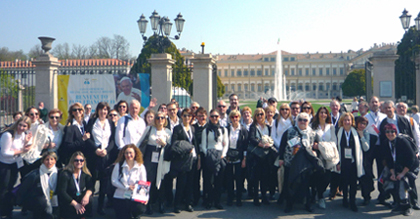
[290, 149]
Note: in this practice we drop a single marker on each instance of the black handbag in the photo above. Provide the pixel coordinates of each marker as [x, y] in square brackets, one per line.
[145, 140]
[233, 155]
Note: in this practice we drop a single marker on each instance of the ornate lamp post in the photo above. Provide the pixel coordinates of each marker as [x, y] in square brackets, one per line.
[161, 27]
[405, 22]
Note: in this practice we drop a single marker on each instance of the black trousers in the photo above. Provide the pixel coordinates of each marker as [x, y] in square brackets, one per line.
[376, 155]
[319, 182]
[349, 179]
[213, 182]
[183, 188]
[8, 178]
[260, 177]
[168, 185]
[302, 192]
[196, 188]
[103, 177]
[127, 209]
[234, 176]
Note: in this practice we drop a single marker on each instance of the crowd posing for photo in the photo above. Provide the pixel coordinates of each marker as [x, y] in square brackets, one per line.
[291, 153]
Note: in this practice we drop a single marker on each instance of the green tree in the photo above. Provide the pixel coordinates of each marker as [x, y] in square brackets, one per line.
[355, 83]
[8, 85]
[181, 76]
[220, 87]
[405, 70]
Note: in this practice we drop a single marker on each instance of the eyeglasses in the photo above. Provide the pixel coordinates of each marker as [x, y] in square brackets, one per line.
[390, 131]
[221, 106]
[234, 117]
[160, 117]
[307, 107]
[79, 160]
[214, 116]
[302, 120]
[186, 115]
[122, 106]
[284, 109]
[54, 117]
[194, 107]
[79, 109]
[33, 114]
[260, 114]
[113, 115]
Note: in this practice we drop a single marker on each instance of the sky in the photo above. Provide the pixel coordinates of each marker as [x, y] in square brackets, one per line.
[226, 26]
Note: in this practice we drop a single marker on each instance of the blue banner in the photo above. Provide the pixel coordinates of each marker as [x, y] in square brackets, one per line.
[145, 89]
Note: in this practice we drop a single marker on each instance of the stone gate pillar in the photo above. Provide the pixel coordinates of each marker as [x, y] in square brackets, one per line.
[161, 66]
[46, 80]
[384, 74]
[203, 81]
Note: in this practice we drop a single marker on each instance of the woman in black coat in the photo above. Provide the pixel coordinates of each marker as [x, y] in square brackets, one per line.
[101, 145]
[75, 187]
[182, 163]
[260, 166]
[235, 157]
[75, 135]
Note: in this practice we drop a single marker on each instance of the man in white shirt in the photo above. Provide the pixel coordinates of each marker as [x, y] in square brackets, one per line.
[223, 119]
[335, 113]
[173, 119]
[88, 111]
[295, 110]
[130, 127]
[128, 92]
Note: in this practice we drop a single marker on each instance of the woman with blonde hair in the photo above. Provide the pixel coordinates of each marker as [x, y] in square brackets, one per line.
[128, 171]
[14, 142]
[75, 187]
[75, 134]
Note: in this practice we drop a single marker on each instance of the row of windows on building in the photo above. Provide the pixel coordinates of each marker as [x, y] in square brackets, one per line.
[293, 87]
[267, 72]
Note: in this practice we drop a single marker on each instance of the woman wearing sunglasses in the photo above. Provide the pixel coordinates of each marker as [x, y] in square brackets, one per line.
[299, 160]
[122, 108]
[33, 113]
[74, 188]
[350, 147]
[113, 116]
[306, 107]
[236, 158]
[183, 155]
[260, 165]
[103, 150]
[48, 137]
[153, 145]
[75, 134]
[214, 146]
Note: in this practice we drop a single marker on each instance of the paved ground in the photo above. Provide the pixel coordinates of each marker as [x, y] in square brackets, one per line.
[249, 211]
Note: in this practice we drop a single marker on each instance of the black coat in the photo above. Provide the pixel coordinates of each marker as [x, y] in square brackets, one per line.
[241, 144]
[72, 142]
[102, 163]
[179, 151]
[198, 135]
[403, 124]
[67, 192]
[405, 156]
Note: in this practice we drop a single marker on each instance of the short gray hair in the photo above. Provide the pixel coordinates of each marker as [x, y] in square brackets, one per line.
[389, 102]
[134, 101]
[303, 116]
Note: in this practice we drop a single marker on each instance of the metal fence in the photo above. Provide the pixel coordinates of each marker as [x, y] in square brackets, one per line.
[17, 92]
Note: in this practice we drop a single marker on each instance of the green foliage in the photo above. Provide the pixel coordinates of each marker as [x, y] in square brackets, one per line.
[220, 87]
[8, 85]
[355, 84]
[405, 71]
[181, 75]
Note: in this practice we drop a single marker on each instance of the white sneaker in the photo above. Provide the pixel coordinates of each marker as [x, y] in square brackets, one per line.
[321, 203]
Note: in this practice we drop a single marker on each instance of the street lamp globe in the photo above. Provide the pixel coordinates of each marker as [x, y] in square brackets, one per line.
[417, 22]
[154, 20]
[142, 22]
[167, 26]
[179, 23]
[405, 19]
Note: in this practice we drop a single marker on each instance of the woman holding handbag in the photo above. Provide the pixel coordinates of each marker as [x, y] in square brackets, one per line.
[260, 152]
[236, 157]
[326, 147]
[153, 145]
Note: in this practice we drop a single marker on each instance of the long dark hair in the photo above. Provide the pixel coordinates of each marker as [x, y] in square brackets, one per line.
[315, 119]
[100, 106]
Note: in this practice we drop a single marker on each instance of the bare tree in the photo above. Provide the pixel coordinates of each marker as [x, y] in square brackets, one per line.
[92, 52]
[35, 51]
[104, 45]
[120, 47]
[79, 51]
[62, 51]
